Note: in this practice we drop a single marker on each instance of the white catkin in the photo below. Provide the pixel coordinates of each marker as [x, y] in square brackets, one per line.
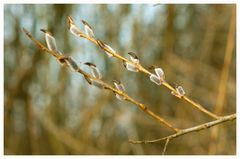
[180, 90]
[72, 64]
[88, 31]
[134, 60]
[111, 49]
[155, 79]
[133, 57]
[74, 30]
[119, 86]
[160, 73]
[95, 72]
[119, 97]
[51, 43]
[131, 67]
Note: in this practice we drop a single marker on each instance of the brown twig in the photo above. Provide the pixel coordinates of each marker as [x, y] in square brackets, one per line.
[106, 86]
[165, 146]
[189, 130]
[145, 71]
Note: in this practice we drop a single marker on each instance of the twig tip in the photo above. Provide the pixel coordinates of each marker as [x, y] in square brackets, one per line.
[70, 19]
[43, 30]
[25, 31]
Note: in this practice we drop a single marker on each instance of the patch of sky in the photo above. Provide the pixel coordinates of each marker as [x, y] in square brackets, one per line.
[125, 34]
[113, 7]
[9, 22]
[16, 9]
[148, 13]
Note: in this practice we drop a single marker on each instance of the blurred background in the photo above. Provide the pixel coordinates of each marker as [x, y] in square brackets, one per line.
[50, 110]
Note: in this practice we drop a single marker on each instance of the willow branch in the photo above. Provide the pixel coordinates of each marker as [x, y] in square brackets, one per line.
[189, 130]
[145, 71]
[107, 86]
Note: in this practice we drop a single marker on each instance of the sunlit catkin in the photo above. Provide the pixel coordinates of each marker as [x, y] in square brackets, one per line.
[105, 47]
[155, 79]
[94, 70]
[50, 40]
[133, 57]
[160, 73]
[88, 29]
[72, 64]
[180, 90]
[119, 86]
[130, 66]
[73, 28]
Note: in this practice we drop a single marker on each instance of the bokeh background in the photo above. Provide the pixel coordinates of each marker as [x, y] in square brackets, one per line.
[50, 110]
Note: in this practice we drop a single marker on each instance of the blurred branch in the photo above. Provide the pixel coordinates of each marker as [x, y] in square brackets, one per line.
[63, 136]
[226, 65]
[30, 119]
[105, 85]
[224, 76]
[189, 130]
[140, 68]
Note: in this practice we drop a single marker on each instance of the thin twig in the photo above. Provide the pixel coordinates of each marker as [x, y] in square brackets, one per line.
[107, 86]
[189, 130]
[165, 146]
[145, 71]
